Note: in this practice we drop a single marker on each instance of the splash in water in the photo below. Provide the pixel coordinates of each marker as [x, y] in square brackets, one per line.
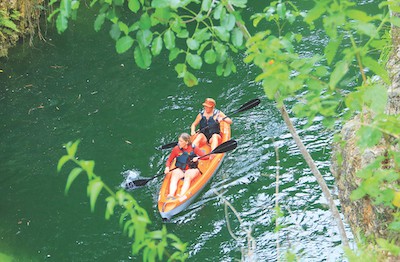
[129, 177]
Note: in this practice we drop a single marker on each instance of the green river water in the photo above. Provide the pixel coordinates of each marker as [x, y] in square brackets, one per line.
[75, 86]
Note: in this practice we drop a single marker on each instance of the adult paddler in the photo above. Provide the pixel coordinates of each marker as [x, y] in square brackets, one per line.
[209, 119]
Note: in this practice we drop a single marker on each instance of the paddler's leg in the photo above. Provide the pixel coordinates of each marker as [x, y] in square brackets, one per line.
[173, 184]
[215, 140]
[190, 174]
[199, 140]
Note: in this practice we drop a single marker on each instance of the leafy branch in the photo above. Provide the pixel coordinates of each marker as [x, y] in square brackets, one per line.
[134, 219]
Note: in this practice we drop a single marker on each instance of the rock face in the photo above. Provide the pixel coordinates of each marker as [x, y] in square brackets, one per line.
[25, 15]
[362, 216]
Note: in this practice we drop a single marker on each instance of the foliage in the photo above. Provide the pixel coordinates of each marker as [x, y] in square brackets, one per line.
[134, 219]
[193, 34]
[7, 22]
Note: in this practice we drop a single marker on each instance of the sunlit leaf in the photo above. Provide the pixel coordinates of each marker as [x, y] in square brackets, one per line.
[145, 22]
[194, 61]
[228, 22]
[368, 136]
[206, 5]
[94, 189]
[238, 3]
[210, 57]
[376, 67]
[169, 39]
[134, 5]
[71, 148]
[124, 44]
[222, 33]
[189, 79]
[173, 54]
[71, 177]
[237, 37]
[192, 44]
[357, 194]
[376, 97]
[338, 73]
[156, 46]
[62, 161]
[142, 57]
[180, 69]
[144, 37]
[331, 49]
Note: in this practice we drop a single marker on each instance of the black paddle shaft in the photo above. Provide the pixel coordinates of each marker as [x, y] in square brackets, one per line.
[222, 148]
[252, 103]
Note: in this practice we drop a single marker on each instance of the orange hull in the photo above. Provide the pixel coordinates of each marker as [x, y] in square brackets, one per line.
[169, 208]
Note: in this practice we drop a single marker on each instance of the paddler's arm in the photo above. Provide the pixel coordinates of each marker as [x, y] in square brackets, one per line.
[221, 117]
[199, 153]
[170, 159]
[194, 124]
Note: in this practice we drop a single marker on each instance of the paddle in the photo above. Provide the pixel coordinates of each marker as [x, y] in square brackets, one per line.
[222, 148]
[252, 103]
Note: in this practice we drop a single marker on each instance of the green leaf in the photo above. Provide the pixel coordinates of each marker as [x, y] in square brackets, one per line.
[94, 189]
[357, 194]
[145, 22]
[210, 56]
[202, 35]
[368, 136]
[239, 3]
[331, 48]
[156, 46]
[173, 54]
[206, 5]
[281, 10]
[194, 61]
[376, 68]
[189, 79]
[181, 69]
[134, 5]
[144, 37]
[62, 161]
[160, 3]
[142, 57]
[71, 148]
[111, 202]
[124, 44]
[192, 44]
[316, 12]
[338, 73]
[368, 29]
[237, 37]
[376, 97]
[88, 166]
[123, 27]
[99, 22]
[169, 39]
[115, 32]
[222, 33]
[61, 23]
[359, 15]
[71, 177]
[228, 22]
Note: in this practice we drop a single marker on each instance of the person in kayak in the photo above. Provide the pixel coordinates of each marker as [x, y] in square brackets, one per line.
[209, 119]
[187, 156]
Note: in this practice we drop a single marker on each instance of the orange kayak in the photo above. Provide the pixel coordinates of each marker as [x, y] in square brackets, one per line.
[170, 207]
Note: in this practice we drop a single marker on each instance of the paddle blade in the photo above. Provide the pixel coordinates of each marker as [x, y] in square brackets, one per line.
[249, 105]
[170, 145]
[225, 147]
